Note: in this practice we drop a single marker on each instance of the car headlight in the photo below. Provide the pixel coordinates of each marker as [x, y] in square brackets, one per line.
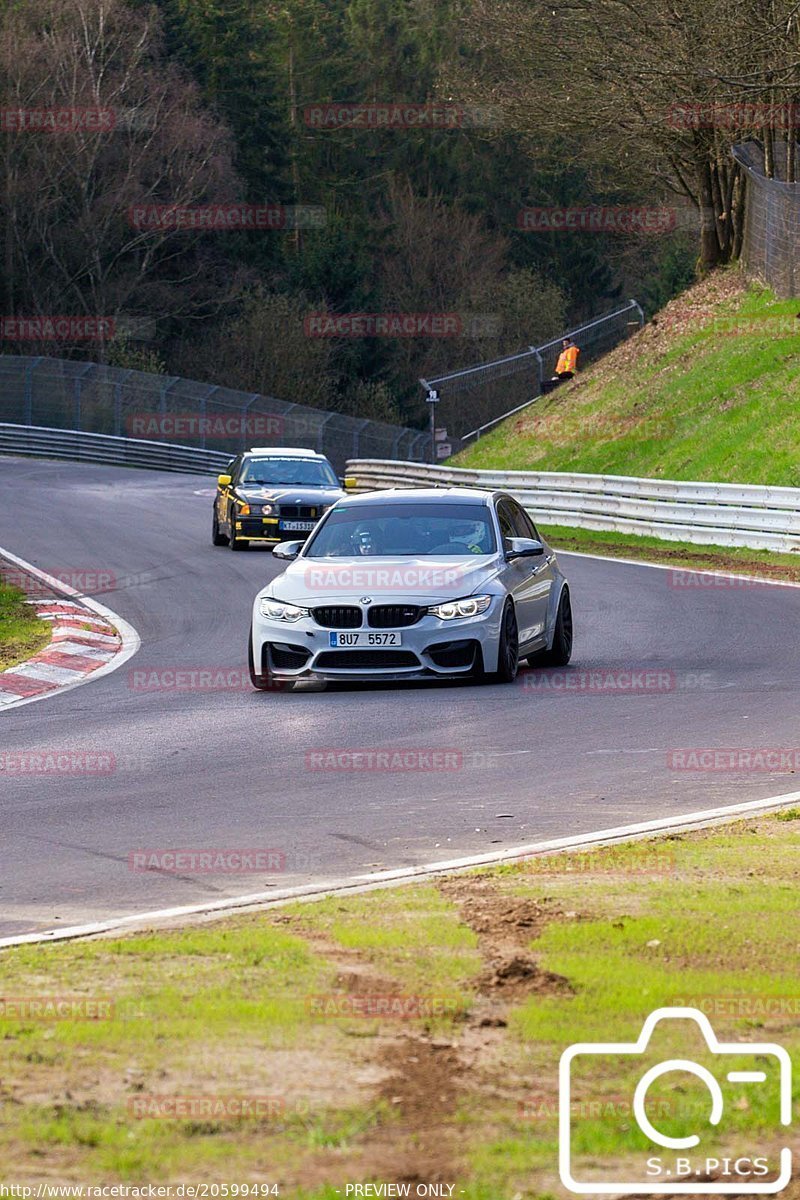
[276, 610]
[267, 509]
[470, 606]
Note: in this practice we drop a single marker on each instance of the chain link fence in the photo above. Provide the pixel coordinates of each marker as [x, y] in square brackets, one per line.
[475, 399]
[771, 237]
[91, 398]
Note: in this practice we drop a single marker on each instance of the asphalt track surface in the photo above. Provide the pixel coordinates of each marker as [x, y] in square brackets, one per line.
[198, 769]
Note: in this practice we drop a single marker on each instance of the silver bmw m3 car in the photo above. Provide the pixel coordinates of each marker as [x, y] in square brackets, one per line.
[413, 584]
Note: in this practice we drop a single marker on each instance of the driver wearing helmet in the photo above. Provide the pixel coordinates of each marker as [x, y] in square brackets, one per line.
[363, 542]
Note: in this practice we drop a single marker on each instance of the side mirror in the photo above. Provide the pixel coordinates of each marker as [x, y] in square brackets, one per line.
[523, 548]
[349, 481]
[286, 550]
[223, 480]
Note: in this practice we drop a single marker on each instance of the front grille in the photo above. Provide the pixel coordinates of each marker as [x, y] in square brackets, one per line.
[338, 616]
[393, 616]
[301, 512]
[367, 659]
[288, 658]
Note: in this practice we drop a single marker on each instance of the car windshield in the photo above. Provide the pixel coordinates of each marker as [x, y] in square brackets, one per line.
[400, 530]
[294, 472]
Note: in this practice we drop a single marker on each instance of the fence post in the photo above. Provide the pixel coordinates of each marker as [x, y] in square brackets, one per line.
[413, 447]
[321, 433]
[357, 435]
[539, 368]
[245, 410]
[118, 404]
[635, 304]
[77, 387]
[28, 410]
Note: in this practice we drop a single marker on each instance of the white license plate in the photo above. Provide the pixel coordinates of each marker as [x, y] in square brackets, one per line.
[365, 638]
[305, 526]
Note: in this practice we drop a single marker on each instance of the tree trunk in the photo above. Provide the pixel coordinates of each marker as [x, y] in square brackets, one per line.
[709, 242]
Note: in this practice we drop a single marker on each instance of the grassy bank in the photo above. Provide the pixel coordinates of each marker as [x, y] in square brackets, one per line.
[708, 391]
[736, 561]
[411, 1034]
[22, 633]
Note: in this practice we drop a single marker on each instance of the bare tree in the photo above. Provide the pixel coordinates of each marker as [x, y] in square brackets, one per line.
[70, 246]
[642, 92]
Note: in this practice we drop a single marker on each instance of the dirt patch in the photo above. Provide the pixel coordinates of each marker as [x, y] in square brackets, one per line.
[495, 916]
[519, 976]
[506, 925]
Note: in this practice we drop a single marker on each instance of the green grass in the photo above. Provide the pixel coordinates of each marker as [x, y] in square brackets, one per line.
[22, 633]
[222, 1009]
[686, 399]
[736, 560]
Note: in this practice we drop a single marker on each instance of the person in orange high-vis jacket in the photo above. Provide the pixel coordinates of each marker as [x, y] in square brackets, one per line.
[566, 366]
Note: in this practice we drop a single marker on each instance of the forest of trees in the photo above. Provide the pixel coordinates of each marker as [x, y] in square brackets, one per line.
[213, 104]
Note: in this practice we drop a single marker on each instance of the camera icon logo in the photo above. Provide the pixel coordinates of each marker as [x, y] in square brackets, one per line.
[675, 1164]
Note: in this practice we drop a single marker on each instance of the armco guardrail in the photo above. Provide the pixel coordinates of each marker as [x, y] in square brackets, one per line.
[102, 448]
[710, 514]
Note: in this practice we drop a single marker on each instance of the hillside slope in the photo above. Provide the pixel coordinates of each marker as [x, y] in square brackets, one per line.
[710, 389]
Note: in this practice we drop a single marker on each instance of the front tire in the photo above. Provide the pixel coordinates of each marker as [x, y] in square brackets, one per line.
[508, 651]
[234, 542]
[561, 651]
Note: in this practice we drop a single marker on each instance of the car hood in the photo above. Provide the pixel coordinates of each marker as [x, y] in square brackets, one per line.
[281, 494]
[311, 581]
